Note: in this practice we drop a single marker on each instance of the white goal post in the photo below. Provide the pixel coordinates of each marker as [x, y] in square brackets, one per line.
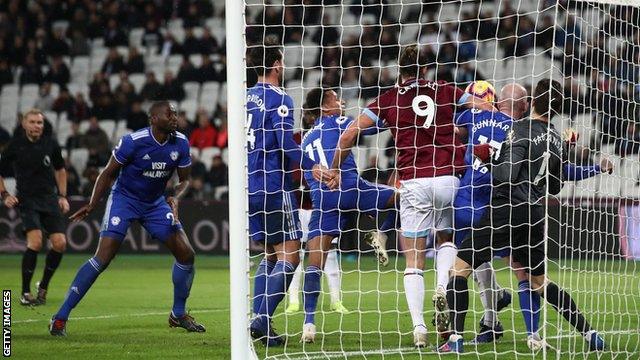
[593, 226]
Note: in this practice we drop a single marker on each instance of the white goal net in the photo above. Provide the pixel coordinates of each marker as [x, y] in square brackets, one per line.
[353, 47]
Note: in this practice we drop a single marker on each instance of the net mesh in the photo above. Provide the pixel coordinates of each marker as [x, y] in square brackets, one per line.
[593, 241]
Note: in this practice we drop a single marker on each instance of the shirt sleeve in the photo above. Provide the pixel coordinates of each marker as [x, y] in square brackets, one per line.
[8, 156]
[56, 156]
[185, 155]
[123, 152]
[377, 111]
[344, 122]
[282, 121]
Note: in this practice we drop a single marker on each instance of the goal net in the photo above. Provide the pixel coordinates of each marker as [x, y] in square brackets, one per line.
[592, 244]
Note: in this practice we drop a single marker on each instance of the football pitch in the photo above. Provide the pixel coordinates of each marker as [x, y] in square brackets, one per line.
[125, 314]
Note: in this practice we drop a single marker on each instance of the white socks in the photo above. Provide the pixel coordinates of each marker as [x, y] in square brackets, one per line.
[332, 272]
[414, 291]
[446, 256]
[486, 279]
[294, 288]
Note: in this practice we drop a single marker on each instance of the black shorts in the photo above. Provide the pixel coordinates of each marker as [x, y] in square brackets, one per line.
[518, 228]
[41, 213]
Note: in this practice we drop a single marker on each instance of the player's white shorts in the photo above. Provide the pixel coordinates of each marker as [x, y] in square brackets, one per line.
[305, 218]
[427, 203]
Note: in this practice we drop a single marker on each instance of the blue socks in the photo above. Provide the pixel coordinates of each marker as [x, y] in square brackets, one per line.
[260, 283]
[311, 292]
[87, 274]
[277, 286]
[182, 277]
[530, 306]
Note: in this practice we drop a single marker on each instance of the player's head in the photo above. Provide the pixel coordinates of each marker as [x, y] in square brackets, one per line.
[33, 123]
[514, 100]
[324, 102]
[413, 63]
[267, 59]
[163, 116]
[547, 98]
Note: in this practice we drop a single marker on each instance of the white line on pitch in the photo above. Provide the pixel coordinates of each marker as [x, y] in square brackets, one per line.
[339, 354]
[121, 316]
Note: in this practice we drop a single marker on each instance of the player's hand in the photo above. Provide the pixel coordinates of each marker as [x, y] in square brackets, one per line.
[81, 213]
[570, 136]
[10, 201]
[484, 152]
[606, 166]
[63, 203]
[173, 203]
[321, 173]
[334, 183]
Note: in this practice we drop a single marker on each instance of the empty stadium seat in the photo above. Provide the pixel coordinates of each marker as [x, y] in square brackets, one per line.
[120, 131]
[80, 68]
[109, 127]
[78, 158]
[209, 95]
[192, 90]
[189, 106]
[63, 130]
[137, 80]
[10, 185]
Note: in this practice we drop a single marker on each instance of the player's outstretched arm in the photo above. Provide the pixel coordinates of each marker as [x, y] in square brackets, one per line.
[103, 183]
[345, 143]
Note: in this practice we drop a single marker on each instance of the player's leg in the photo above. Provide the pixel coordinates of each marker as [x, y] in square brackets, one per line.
[29, 260]
[294, 288]
[85, 277]
[333, 275]
[257, 233]
[54, 224]
[529, 300]
[317, 248]
[375, 199]
[415, 214]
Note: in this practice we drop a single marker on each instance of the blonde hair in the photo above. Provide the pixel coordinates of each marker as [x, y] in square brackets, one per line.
[30, 112]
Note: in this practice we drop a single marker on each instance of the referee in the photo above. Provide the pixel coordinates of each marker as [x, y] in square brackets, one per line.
[531, 156]
[41, 199]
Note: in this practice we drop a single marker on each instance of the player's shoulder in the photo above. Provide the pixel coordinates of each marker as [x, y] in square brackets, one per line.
[335, 119]
[138, 135]
[180, 137]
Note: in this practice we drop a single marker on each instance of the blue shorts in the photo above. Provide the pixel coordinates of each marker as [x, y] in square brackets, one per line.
[465, 217]
[332, 208]
[274, 217]
[157, 217]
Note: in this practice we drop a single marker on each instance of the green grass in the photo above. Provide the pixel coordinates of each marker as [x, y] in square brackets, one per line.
[125, 314]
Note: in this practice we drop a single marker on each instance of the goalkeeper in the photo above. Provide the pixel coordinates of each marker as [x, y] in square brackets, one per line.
[533, 153]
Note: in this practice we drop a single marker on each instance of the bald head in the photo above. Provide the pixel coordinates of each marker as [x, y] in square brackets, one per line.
[513, 100]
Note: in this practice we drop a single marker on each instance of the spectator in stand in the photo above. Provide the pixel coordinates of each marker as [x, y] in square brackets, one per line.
[96, 83]
[80, 110]
[125, 96]
[193, 18]
[187, 71]
[75, 139]
[114, 63]
[6, 76]
[73, 179]
[104, 106]
[39, 55]
[218, 174]
[191, 44]
[170, 46]
[58, 72]
[208, 43]
[151, 90]
[79, 43]
[31, 72]
[135, 61]
[64, 102]
[114, 35]
[205, 135]
[58, 45]
[152, 36]
[18, 52]
[196, 189]
[95, 137]
[91, 175]
[171, 89]
[137, 118]
[221, 124]
[45, 99]
[207, 71]
[95, 26]
[184, 125]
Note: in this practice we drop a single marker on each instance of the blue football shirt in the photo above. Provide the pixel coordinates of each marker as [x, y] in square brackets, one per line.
[147, 165]
[484, 127]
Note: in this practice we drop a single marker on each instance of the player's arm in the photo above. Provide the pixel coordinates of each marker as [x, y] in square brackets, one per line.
[103, 184]
[346, 142]
[60, 175]
[6, 159]
[573, 172]
[184, 180]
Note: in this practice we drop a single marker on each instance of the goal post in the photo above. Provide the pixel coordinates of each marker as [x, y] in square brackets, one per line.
[592, 226]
